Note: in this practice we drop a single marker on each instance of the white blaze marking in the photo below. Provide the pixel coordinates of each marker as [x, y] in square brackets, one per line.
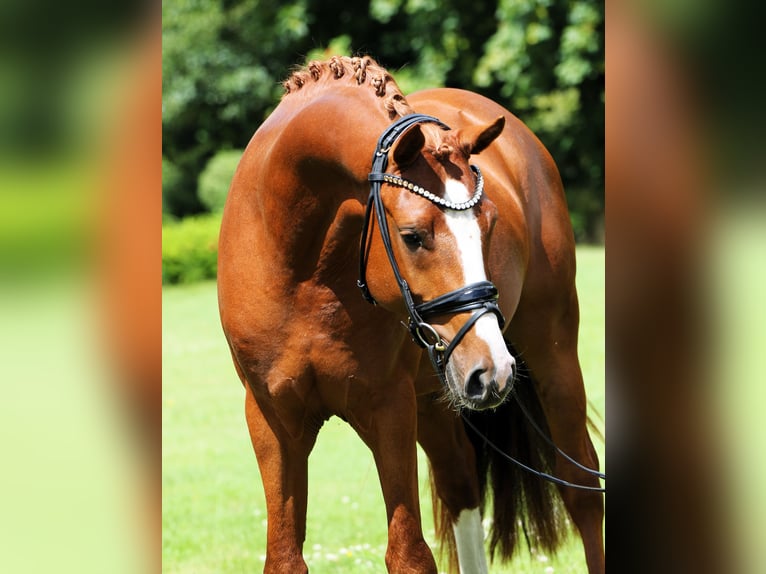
[469, 536]
[467, 233]
[465, 228]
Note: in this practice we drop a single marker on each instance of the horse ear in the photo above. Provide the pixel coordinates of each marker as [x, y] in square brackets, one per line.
[408, 146]
[475, 139]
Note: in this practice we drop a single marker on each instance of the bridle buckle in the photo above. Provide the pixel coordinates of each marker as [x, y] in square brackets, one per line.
[426, 336]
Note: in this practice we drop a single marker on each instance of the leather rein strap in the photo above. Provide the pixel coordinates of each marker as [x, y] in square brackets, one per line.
[481, 297]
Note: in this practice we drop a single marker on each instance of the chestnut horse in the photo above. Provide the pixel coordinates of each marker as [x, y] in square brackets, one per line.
[466, 238]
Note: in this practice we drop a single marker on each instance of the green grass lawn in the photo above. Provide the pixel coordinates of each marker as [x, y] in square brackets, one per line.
[214, 511]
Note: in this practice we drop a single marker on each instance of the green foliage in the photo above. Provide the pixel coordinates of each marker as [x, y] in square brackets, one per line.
[215, 179]
[190, 249]
[215, 89]
[172, 180]
[223, 63]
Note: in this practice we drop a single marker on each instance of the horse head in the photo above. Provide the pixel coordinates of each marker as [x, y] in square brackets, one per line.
[432, 260]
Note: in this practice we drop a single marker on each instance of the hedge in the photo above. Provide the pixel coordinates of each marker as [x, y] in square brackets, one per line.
[190, 249]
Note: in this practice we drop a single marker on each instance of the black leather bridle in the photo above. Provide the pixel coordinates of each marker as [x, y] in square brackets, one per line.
[480, 297]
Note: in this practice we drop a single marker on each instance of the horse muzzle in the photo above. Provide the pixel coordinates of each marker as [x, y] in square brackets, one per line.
[486, 386]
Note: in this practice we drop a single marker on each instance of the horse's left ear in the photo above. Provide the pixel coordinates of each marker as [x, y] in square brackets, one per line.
[476, 138]
[408, 146]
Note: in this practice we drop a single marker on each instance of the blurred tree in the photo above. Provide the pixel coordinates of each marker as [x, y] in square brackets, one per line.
[171, 186]
[223, 61]
[215, 179]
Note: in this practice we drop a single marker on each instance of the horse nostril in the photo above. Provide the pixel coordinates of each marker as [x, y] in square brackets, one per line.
[474, 388]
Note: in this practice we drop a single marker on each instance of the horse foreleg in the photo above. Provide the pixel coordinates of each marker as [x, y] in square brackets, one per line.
[283, 463]
[453, 466]
[391, 435]
[562, 395]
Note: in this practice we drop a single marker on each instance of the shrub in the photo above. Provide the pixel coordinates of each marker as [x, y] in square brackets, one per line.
[190, 249]
[215, 179]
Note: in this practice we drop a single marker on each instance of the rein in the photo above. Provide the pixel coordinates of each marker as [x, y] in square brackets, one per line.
[480, 297]
[543, 475]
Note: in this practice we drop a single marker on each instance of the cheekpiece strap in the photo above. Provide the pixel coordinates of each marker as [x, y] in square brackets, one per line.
[374, 203]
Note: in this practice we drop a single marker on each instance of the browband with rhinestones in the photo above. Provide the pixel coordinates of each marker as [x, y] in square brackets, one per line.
[400, 182]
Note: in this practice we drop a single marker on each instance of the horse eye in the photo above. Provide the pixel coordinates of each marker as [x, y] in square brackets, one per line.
[412, 239]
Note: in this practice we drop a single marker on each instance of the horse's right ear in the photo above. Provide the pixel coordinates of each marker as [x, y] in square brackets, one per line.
[476, 138]
[407, 148]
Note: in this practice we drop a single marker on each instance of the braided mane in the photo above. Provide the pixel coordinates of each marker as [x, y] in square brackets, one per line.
[361, 70]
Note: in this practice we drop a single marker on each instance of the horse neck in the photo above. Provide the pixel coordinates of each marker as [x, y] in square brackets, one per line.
[337, 126]
[320, 163]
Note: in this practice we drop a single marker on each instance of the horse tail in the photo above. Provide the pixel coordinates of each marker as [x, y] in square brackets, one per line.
[522, 504]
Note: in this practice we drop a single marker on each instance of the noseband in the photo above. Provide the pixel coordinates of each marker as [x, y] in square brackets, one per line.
[480, 297]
